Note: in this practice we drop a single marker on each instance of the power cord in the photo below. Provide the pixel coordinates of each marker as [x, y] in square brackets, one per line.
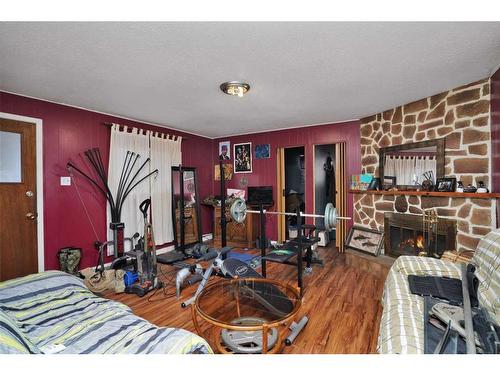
[169, 280]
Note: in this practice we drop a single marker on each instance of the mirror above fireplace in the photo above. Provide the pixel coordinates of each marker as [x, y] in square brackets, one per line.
[408, 163]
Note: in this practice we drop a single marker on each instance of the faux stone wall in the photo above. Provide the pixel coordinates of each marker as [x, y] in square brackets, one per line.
[462, 116]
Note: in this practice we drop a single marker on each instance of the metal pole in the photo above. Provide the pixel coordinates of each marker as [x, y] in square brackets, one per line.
[182, 221]
[263, 239]
[299, 255]
[222, 207]
[470, 341]
[293, 214]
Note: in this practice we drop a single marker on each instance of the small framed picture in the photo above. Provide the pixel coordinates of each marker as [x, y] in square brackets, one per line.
[374, 184]
[242, 154]
[365, 240]
[389, 182]
[446, 184]
[262, 151]
[225, 150]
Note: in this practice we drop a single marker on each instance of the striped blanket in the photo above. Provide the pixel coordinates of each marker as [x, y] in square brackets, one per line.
[402, 323]
[53, 312]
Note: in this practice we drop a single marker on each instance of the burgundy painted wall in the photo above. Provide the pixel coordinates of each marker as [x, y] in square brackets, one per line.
[264, 170]
[495, 136]
[67, 132]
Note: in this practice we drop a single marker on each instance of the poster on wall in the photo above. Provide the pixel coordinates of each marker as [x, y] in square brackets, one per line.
[262, 151]
[225, 150]
[242, 154]
[228, 172]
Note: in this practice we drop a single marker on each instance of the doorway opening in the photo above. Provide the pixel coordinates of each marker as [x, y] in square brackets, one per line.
[325, 189]
[330, 187]
[292, 185]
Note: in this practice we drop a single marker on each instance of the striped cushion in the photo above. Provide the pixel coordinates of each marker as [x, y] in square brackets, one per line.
[12, 340]
[401, 326]
[424, 266]
[487, 261]
[402, 323]
[56, 309]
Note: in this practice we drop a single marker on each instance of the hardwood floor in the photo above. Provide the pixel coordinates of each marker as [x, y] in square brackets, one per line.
[341, 299]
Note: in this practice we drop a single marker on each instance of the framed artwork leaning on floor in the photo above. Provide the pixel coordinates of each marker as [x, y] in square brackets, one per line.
[365, 240]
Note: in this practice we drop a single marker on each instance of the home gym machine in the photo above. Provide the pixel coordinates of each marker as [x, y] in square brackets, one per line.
[129, 180]
[293, 251]
[182, 250]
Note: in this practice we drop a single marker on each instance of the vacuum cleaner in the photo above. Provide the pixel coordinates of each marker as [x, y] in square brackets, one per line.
[143, 259]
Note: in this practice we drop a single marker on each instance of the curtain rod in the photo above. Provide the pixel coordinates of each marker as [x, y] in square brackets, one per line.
[110, 124]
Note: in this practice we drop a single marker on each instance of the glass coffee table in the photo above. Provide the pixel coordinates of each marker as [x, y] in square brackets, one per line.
[247, 315]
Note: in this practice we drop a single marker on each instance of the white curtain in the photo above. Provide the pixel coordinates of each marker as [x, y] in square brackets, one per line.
[122, 141]
[409, 168]
[425, 164]
[165, 153]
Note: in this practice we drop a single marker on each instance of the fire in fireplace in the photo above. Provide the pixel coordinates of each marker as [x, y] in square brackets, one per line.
[410, 245]
[404, 235]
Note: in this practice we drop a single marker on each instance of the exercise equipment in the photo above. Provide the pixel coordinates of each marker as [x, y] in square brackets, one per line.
[217, 258]
[125, 186]
[223, 219]
[248, 342]
[295, 329]
[198, 250]
[182, 252]
[239, 212]
[294, 248]
[267, 295]
[195, 271]
[241, 322]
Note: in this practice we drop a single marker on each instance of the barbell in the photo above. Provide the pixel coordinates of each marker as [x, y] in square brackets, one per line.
[239, 212]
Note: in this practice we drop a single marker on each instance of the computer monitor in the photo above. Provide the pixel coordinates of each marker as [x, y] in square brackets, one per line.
[260, 195]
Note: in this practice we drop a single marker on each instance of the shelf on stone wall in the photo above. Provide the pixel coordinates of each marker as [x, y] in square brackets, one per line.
[451, 194]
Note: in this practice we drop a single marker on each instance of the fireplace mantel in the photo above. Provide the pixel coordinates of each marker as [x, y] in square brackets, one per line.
[450, 194]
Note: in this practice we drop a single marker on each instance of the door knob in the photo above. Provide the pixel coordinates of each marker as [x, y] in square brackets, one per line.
[31, 216]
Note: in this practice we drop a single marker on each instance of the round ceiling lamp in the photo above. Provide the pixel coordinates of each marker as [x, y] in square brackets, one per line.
[236, 88]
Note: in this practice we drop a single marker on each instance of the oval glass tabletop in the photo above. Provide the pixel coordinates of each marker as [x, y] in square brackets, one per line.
[228, 300]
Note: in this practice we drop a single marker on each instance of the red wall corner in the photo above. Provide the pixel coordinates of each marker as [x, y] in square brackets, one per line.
[67, 132]
[264, 170]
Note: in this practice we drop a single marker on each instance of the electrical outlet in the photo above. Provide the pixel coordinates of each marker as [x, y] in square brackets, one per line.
[65, 181]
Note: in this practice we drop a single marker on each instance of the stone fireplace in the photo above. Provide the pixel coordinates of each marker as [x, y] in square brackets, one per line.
[462, 117]
[404, 235]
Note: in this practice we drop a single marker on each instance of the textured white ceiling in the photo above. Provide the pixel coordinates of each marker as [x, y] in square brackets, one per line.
[300, 73]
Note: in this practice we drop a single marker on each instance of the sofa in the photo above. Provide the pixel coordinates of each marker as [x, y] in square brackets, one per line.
[53, 312]
[402, 323]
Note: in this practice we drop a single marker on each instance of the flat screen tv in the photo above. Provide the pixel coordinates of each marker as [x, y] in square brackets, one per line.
[260, 195]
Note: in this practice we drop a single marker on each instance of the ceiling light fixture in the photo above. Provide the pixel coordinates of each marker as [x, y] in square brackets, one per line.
[235, 88]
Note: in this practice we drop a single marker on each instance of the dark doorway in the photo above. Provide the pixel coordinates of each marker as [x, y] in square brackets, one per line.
[295, 181]
[324, 181]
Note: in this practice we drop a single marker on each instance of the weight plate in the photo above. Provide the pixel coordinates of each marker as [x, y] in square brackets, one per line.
[330, 217]
[248, 342]
[238, 210]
